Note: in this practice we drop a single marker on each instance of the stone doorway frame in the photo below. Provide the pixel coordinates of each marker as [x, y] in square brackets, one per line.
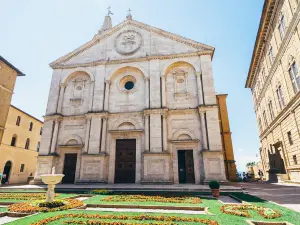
[194, 145]
[63, 150]
[125, 134]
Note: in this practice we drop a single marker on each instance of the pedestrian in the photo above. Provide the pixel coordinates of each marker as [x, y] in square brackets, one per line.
[261, 175]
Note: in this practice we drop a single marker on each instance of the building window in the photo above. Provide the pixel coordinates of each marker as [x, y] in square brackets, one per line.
[18, 121]
[295, 160]
[289, 134]
[38, 146]
[271, 110]
[22, 168]
[41, 131]
[293, 71]
[27, 143]
[271, 55]
[280, 97]
[13, 141]
[265, 118]
[30, 126]
[281, 27]
[259, 124]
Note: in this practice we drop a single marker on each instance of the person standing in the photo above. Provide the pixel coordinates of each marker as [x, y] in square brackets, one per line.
[261, 175]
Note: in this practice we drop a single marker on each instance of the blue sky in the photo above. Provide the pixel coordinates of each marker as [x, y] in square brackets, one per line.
[35, 33]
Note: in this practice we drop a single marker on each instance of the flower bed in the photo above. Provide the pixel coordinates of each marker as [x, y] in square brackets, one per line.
[95, 219]
[144, 198]
[27, 207]
[24, 196]
[242, 210]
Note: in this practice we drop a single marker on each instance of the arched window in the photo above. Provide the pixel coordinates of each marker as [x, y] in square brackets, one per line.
[18, 121]
[13, 141]
[27, 143]
[30, 126]
[38, 146]
[41, 131]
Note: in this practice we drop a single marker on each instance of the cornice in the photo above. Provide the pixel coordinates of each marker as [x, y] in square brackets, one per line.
[282, 49]
[103, 114]
[260, 38]
[126, 131]
[162, 111]
[131, 60]
[106, 114]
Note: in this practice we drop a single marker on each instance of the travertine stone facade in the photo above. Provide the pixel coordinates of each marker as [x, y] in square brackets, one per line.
[275, 84]
[133, 82]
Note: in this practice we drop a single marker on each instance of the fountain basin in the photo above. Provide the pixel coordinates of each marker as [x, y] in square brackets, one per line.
[52, 178]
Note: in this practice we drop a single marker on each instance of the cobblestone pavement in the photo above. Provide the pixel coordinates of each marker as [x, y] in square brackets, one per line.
[287, 195]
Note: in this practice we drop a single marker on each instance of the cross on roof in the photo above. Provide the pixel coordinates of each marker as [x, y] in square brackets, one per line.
[109, 12]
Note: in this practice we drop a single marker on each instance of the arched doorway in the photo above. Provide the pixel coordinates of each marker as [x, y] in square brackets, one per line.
[6, 172]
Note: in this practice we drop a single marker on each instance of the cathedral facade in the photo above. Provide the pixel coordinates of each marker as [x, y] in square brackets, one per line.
[136, 104]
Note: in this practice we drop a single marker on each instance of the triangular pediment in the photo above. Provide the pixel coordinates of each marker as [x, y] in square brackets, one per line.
[131, 40]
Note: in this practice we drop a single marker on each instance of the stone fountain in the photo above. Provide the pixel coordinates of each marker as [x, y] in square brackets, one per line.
[51, 180]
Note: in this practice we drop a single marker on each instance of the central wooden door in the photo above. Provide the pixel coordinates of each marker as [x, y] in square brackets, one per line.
[69, 168]
[125, 161]
[186, 166]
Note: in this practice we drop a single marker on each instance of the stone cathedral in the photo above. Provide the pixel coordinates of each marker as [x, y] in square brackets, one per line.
[136, 104]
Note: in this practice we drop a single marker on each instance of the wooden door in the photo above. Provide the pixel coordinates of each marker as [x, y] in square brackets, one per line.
[125, 161]
[186, 166]
[69, 168]
[189, 165]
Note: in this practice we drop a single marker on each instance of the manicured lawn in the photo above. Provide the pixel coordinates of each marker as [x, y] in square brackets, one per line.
[214, 208]
[100, 199]
[3, 209]
[61, 196]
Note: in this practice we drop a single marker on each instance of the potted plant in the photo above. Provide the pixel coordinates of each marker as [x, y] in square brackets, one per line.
[215, 188]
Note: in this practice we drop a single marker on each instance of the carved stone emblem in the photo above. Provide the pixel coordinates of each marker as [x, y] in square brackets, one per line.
[128, 42]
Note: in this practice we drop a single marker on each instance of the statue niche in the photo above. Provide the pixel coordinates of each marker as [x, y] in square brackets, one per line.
[77, 94]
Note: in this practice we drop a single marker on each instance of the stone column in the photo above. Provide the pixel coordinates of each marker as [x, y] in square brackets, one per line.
[92, 84]
[163, 90]
[200, 96]
[146, 92]
[203, 131]
[55, 134]
[146, 133]
[61, 98]
[104, 134]
[165, 133]
[87, 135]
[107, 86]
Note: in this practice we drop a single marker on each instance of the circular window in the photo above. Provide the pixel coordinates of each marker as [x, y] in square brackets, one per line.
[129, 85]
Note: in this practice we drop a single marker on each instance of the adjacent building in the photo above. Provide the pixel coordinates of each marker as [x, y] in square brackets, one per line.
[274, 80]
[8, 76]
[20, 146]
[136, 104]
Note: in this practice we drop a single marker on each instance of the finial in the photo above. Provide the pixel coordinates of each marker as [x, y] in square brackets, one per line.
[129, 16]
[109, 12]
[107, 22]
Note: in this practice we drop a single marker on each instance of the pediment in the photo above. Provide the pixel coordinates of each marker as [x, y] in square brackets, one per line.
[131, 40]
